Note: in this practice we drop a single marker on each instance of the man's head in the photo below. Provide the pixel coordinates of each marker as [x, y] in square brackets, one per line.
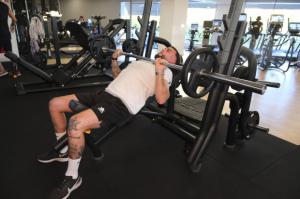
[81, 18]
[170, 54]
[258, 18]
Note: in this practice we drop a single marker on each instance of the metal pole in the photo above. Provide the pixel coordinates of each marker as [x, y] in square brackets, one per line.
[27, 13]
[144, 26]
[43, 4]
[58, 4]
[130, 11]
[151, 37]
[229, 45]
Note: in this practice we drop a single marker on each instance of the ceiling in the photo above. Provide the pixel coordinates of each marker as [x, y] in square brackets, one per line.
[260, 1]
[264, 4]
[214, 1]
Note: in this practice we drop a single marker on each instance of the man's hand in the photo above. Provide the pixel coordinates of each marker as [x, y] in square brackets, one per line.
[12, 27]
[116, 54]
[159, 67]
[114, 63]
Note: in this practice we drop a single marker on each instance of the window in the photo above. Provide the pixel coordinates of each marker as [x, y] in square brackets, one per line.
[134, 8]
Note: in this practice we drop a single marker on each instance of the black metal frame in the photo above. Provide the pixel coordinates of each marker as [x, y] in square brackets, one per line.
[65, 77]
[199, 136]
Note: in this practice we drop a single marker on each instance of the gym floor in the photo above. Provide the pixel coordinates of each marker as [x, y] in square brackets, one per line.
[145, 160]
[279, 107]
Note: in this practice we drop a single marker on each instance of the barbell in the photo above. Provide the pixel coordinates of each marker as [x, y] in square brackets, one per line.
[199, 70]
[174, 66]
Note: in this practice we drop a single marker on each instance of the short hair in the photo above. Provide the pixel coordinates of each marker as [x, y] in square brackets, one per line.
[178, 57]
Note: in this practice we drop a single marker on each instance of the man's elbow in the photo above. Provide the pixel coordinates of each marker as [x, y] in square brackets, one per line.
[161, 99]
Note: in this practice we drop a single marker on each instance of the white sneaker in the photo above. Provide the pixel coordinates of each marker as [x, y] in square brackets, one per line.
[3, 74]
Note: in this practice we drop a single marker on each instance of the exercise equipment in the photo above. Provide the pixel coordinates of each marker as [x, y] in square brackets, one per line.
[242, 122]
[105, 130]
[207, 26]
[294, 49]
[212, 29]
[255, 31]
[81, 71]
[130, 46]
[229, 45]
[191, 70]
[280, 48]
[193, 33]
[142, 35]
[98, 23]
[274, 27]
[81, 66]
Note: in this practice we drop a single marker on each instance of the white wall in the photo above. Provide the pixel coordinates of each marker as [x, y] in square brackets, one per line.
[173, 14]
[72, 9]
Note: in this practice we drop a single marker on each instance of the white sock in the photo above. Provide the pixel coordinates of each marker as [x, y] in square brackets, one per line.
[73, 166]
[58, 136]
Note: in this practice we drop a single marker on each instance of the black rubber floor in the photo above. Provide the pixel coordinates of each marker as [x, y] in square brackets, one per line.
[142, 161]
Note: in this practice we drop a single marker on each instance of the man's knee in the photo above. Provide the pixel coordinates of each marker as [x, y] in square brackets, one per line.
[56, 104]
[76, 126]
[53, 103]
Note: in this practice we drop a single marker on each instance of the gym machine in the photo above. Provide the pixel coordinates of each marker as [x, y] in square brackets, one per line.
[98, 24]
[207, 26]
[284, 48]
[193, 33]
[294, 50]
[229, 47]
[79, 68]
[212, 29]
[216, 31]
[255, 31]
[202, 61]
[274, 27]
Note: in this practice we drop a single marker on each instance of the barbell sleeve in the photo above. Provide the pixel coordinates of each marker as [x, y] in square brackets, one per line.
[173, 66]
[233, 81]
[269, 84]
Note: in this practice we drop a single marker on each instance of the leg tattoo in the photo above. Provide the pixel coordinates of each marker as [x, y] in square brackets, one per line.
[75, 150]
[76, 139]
[73, 124]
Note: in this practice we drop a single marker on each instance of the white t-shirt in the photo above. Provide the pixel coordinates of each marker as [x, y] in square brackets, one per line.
[135, 84]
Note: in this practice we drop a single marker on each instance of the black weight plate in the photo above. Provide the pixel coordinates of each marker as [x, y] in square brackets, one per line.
[96, 46]
[202, 59]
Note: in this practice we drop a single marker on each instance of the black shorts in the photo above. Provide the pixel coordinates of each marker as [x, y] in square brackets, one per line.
[5, 45]
[108, 108]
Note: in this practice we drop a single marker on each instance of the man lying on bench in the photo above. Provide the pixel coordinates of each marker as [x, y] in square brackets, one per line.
[123, 97]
